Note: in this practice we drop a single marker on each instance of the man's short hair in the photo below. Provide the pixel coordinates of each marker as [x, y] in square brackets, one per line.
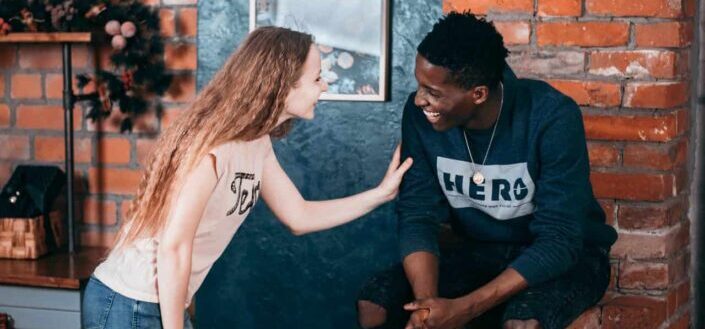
[470, 48]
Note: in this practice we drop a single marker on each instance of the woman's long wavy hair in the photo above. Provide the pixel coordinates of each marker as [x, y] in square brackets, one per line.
[244, 101]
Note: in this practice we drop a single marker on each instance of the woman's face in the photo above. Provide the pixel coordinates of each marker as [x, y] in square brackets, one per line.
[304, 95]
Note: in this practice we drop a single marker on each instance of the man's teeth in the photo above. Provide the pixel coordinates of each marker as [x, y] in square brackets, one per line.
[431, 114]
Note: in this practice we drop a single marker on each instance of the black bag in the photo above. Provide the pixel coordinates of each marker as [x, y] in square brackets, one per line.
[31, 191]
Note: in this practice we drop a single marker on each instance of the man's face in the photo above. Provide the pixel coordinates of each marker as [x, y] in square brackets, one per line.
[444, 104]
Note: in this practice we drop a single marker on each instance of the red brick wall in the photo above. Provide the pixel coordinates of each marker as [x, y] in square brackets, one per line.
[626, 62]
[107, 162]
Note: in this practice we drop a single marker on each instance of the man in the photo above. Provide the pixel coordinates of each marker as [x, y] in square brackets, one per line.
[505, 161]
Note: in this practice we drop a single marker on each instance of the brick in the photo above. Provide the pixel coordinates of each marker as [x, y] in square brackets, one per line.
[113, 181]
[181, 57]
[633, 186]
[51, 149]
[145, 147]
[690, 8]
[170, 115]
[5, 171]
[655, 156]
[97, 239]
[593, 93]
[683, 293]
[635, 64]
[187, 23]
[54, 86]
[109, 124]
[590, 319]
[26, 86]
[514, 32]
[147, 123]
[643, 275]
[610, 209]
[637, 216]
[654, 128]
[49, 117]
[113, 150]
[8, 56]
[666, 34]
[633, 312]
[81, 56]
[602, 155]
[656, 94]
[14, 147]
[151, 2]
[484, 7]
[547, 63]
[102, 212]
[182, 89]
[585, 34]
[657, 245]
[40, 56]
[167, 22]
[641, 8]
[681, 321]
[612, 286]
[124, 210]
[103, 57]
[559, 8]
[4, 115]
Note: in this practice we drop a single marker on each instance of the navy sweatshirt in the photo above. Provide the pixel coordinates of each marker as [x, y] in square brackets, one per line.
[536, 192]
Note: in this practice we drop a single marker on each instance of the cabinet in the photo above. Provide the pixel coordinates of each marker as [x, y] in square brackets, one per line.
[47, 292]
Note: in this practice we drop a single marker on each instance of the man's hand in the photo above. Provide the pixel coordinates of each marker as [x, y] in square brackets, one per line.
[442, 313]
[417, 319]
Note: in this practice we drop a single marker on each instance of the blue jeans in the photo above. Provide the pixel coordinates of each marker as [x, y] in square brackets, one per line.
[103, 308]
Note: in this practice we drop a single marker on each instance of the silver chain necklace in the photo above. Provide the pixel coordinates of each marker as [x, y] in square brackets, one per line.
[477, 176]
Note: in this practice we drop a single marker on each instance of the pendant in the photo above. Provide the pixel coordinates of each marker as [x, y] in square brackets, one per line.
[478, 178]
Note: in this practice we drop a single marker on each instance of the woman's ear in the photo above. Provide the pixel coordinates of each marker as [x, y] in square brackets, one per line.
[480, 94]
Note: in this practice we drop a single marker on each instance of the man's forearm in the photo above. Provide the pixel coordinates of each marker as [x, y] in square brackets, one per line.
[422, 272]
[504, 286]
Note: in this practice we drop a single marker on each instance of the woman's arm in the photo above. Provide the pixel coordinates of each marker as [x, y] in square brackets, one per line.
[302, 216]
[175, 245]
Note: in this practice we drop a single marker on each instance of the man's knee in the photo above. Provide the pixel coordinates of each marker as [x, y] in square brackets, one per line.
[521, 324]
[370, 315]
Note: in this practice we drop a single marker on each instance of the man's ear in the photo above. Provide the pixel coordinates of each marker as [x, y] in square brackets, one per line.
[480, 94]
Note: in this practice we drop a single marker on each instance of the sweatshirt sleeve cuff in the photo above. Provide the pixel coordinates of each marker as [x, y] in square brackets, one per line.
[421, 242]
[527, 268]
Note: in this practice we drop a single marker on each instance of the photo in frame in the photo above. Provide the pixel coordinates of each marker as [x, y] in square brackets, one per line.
[351, 35]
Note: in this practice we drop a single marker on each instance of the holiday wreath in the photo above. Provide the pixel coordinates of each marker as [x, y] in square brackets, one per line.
[138, 74]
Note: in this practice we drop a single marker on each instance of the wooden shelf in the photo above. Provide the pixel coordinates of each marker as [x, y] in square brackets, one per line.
[53, 37]
[55, 270]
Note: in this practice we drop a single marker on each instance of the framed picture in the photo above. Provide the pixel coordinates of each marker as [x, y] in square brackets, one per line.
[352, 37]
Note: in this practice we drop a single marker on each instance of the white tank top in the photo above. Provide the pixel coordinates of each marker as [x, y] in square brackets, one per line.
[132, 270]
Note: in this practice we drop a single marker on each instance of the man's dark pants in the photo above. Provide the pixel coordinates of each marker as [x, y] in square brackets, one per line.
[462, 269]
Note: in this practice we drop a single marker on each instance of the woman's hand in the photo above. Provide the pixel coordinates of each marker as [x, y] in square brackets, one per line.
[389, 187]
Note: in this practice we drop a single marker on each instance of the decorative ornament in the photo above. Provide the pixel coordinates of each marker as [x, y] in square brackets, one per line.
[137, 74]
[128, 29]
[118, 42]
[112, 27]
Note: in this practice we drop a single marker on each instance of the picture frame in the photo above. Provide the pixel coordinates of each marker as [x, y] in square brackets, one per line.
[351, 35]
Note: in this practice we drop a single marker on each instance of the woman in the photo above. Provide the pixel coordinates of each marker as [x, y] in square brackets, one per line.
[208, 170]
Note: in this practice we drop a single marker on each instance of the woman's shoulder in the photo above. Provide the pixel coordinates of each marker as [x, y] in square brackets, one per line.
[237, 147]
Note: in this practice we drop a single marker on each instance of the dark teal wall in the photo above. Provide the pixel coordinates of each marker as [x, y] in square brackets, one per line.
[268, 278]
